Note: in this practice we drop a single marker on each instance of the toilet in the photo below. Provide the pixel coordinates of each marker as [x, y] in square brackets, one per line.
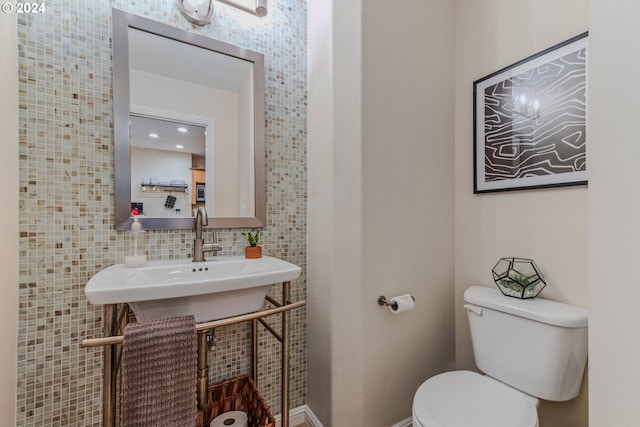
[527, 349]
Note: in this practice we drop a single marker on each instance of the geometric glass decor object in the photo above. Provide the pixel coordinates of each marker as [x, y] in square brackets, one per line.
[518, 277]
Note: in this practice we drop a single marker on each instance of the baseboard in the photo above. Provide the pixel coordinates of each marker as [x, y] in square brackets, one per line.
[304, 414]
[298, 416]
[310, 419]
[403, 423]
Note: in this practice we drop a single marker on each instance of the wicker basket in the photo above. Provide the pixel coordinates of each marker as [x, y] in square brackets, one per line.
[238, 394]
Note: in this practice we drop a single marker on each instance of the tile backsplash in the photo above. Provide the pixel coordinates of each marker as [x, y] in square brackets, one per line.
[66, 198]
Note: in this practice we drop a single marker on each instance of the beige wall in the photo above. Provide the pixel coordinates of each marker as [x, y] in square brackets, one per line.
[549, 226]
[320, 206]
[614, 205]
[334, 308]
[370, 134]
[407, 199]
[9, 218]
[490, 35]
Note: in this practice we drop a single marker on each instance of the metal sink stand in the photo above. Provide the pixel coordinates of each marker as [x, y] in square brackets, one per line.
[114, 322]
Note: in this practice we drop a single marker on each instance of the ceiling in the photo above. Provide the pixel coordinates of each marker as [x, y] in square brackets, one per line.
[157, 55]
[169, 136]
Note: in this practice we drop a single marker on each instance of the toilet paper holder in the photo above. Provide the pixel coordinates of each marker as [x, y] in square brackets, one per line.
[382, 300]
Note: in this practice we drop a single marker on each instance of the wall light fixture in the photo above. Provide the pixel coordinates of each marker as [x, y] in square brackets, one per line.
[255, 7]
[200, 12]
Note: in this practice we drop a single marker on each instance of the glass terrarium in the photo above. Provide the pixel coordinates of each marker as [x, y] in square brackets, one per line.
[518, 277]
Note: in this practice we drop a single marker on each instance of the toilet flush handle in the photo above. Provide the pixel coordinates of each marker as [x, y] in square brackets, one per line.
[477, 310]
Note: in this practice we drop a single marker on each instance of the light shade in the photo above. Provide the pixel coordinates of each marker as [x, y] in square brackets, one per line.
[261, 8]
[199, 12]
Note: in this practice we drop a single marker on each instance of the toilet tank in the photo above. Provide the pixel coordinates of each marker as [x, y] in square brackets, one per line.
[535, 345]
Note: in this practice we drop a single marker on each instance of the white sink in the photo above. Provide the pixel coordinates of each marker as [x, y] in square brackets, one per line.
[215, 289]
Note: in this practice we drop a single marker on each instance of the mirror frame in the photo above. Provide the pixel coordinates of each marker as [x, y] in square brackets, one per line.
[122, 21]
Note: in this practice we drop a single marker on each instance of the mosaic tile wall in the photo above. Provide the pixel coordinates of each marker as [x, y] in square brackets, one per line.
[66, 197]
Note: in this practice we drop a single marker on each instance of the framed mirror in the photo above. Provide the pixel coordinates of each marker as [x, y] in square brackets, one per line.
[189, 127]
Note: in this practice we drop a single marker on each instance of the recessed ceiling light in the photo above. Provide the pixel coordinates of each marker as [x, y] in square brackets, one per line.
[154, 135]
[179, 146]
[183, 130]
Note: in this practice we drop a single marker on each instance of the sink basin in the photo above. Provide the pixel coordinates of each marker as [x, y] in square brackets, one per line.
[215, 289]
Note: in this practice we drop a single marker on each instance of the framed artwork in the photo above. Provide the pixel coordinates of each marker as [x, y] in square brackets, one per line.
[530, 121]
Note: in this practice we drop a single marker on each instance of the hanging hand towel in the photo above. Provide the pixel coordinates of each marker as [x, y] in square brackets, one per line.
[159, 365]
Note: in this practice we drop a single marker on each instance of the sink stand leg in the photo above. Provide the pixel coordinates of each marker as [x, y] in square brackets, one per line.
[286, 290]
[254, 350]
[203, 370]
[109, 375]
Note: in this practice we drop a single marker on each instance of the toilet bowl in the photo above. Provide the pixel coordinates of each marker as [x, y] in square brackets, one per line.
[528, 350]
[487, 403]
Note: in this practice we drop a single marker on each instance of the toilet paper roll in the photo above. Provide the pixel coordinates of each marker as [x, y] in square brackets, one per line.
[404, 303]
[232, 418]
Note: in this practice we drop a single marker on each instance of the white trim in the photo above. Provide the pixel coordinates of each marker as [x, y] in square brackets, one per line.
[404, 423]
[298, 416]
[310, 419]
[304, 414]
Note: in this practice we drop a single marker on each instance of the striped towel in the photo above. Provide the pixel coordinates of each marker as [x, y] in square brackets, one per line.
[159, 365]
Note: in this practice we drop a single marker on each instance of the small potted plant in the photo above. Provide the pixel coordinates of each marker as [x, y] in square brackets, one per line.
[253, 250]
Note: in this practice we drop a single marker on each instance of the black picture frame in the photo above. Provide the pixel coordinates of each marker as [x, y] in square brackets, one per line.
[530, 121]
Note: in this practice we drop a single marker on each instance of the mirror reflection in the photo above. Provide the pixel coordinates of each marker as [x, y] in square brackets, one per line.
[168, 166]
[194, 110]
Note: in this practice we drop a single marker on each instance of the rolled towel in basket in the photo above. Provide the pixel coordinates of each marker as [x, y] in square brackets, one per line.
[159, 365]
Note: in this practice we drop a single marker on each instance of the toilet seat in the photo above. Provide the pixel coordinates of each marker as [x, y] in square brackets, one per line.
[468, 399]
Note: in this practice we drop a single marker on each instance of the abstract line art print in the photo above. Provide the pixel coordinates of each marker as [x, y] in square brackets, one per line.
[530, 121]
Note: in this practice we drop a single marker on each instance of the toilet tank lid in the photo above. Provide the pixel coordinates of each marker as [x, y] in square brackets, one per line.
[538, 309]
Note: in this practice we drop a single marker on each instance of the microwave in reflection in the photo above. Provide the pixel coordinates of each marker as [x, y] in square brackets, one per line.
[200, 192]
